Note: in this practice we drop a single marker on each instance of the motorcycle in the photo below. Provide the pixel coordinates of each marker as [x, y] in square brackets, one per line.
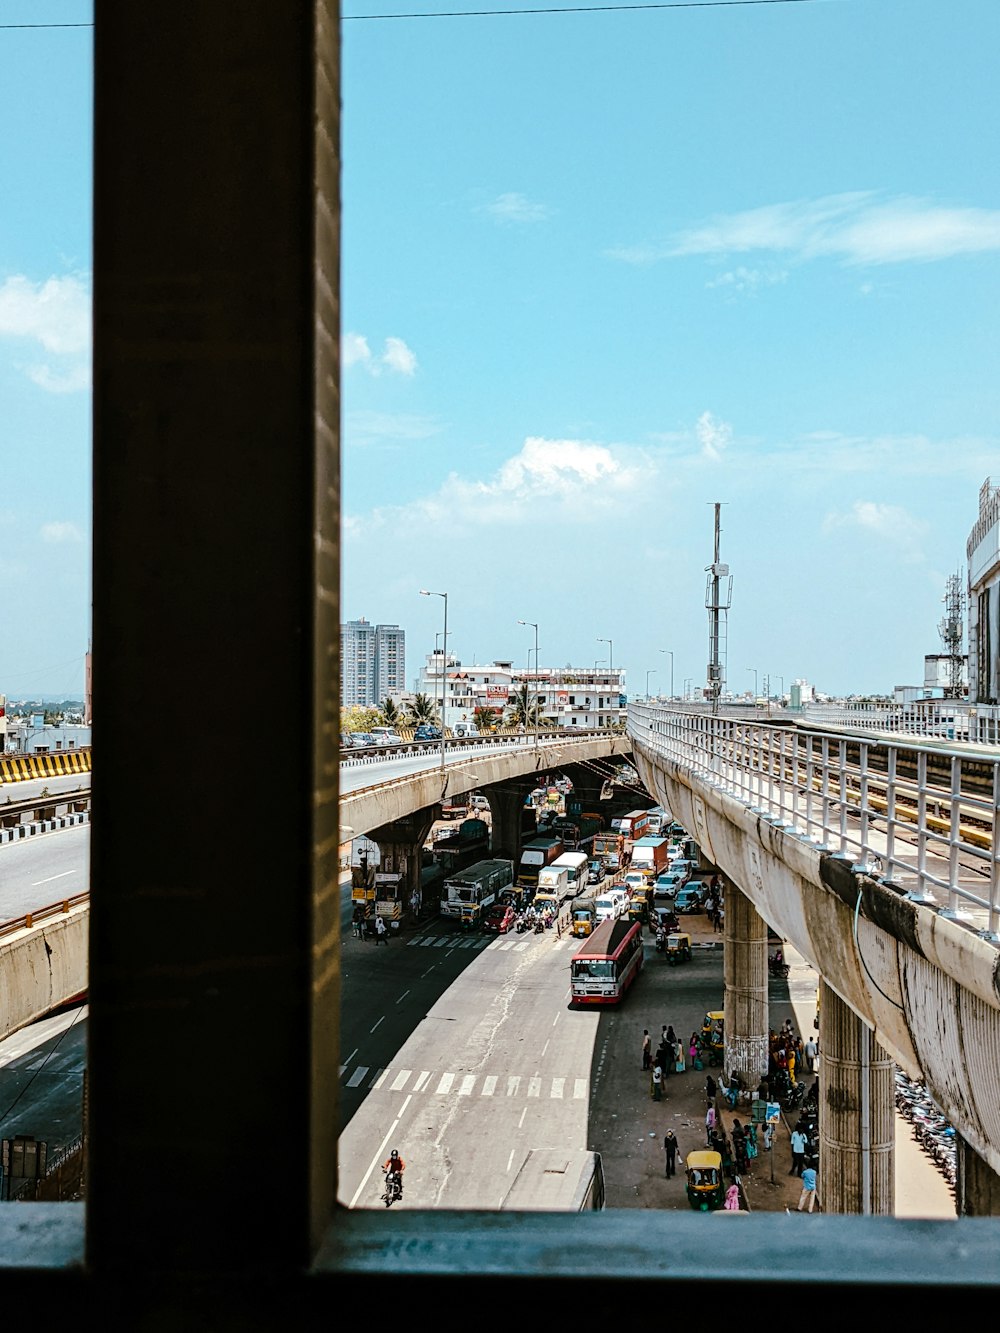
[661, 941]
[776, 965]
[393, 1188]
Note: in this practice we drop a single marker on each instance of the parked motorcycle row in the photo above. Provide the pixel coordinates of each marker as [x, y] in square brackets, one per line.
[930, 1128]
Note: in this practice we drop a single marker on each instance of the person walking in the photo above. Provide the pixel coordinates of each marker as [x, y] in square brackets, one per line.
[670, 1148]
[709, 1125]
[812, 1050]
[358, 921]
[808, 1196]
[646, 1048]
[799, 1144]
[381, 934]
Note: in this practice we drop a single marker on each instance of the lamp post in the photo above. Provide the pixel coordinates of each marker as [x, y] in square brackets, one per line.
[533, 626]
[687, 682]
[611, 671]
[444, 663]
[650, 672]
[671, 656]
[781, 696]
[754, 670]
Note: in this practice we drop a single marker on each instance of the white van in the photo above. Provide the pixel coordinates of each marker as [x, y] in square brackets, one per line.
[610, 905]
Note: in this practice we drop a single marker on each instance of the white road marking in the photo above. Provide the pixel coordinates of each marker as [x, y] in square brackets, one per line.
[489, 1085]
[557, 1087]
[399, 1082]
[378, 1080]
[357, 1076]
[467, 1084]
[381, 1020]
[445, 1085]
[579, 1088]
[422, 1078]
[61, 875]
[513, 1083]
[534, 1086]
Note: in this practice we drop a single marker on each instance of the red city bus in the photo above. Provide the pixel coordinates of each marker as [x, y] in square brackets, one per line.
[607, 962]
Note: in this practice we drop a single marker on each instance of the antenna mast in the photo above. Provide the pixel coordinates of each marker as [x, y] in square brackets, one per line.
[718, 600]
[952, 631]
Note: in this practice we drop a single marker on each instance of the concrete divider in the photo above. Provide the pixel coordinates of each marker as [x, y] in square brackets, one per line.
[41, 967]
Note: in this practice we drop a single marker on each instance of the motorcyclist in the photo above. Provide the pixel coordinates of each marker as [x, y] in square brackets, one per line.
[394, 1166]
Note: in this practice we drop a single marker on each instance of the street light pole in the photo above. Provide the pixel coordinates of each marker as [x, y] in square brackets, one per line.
[532, 624]
[444, 665]
[650, 672]
[687, 682]
[754, 670]
[671, 656]
[611, 669]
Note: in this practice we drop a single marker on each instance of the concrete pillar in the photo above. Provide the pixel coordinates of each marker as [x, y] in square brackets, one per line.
[746, 989]
[978, 1186]
[401, 847]
[857, 1129]
[513, 822]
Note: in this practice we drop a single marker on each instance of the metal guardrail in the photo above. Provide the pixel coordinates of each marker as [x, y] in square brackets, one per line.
[921, 817]
[40, 914]
[496, 741]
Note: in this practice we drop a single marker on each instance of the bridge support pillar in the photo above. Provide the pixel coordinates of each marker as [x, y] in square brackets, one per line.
[857, 1128]
[401, 847]
[513, 822]
[978, 1186]
[745, 965]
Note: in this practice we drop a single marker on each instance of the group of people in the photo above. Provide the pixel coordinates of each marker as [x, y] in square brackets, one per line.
[363, 925]
[714, 906]
[673, 1055]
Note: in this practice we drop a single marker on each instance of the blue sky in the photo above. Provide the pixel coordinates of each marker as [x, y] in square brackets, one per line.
[604, 269]
[600, 271]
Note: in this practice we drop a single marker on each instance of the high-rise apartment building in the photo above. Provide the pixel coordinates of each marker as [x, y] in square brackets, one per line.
[372, 662]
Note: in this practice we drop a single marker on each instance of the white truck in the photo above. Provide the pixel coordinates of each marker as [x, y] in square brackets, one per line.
[553, 888]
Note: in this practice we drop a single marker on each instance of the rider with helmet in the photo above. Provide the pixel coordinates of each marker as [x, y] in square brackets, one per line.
[394, 1166]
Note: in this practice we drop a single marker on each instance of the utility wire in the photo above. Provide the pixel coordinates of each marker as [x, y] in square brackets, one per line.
[569, 9]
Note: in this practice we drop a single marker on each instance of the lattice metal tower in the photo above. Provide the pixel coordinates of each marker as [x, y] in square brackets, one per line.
[718, 600]
[952, 630]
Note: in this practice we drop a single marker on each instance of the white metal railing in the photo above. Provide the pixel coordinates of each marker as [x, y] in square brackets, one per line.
[923, 817]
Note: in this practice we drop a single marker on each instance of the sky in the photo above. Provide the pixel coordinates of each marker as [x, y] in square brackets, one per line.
[601, 270]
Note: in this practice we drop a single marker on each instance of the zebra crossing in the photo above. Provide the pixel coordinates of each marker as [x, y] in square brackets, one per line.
[499, 943]
[451, 1084]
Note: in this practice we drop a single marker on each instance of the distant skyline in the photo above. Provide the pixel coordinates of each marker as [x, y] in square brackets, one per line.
[600, 270]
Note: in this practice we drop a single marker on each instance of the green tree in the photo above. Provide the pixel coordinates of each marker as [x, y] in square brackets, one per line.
[523, 709]
[485, 719]
[359, 718]
[422, 709]
[391, 712]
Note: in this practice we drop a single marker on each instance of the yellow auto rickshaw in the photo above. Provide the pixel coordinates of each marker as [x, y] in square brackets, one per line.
[678, 948]
[638, 910]
[706, 1188]
[712, 1036]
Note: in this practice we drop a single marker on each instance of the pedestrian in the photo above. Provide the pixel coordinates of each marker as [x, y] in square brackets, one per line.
[646, 1048]
[740, 1148]
[693, 1049]
[799, 1142]
[732, 1204]
[671, 1035]
[808, 1196]
[791, 1065]
[670, 1147]
[679, 1066]
[381, 934]
[709, 1124]
[812, 1050]
[657, 1083]
[710, 1088]
[720, 916]
[710, 907]
[358, 921]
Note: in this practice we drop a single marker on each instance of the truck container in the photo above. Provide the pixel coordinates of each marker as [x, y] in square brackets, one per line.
[553, 887]
[650, 855]
[633, 826]
[575, 865]
[609, 847]
[534, 855]
[466, 894]
[579, 831]
[463, 847]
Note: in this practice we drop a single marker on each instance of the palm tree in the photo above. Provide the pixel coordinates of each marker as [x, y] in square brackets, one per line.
[523, 709]
[422, 709]
[485, 719]
[391, 713]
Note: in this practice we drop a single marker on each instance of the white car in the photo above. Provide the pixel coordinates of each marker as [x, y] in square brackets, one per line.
[386, 736]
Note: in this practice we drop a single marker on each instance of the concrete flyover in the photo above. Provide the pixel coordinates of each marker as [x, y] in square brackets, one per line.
[43, 962]
[914, 972]
[384, 800]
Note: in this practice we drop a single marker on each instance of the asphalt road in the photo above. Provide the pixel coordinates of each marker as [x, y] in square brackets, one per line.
[43, 869]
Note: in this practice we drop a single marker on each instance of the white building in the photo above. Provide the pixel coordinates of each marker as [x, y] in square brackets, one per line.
[983, 554]
[372, 662]
[573, 696]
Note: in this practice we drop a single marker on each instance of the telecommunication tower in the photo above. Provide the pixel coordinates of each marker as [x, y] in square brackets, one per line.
[952, 630]
[718, 600]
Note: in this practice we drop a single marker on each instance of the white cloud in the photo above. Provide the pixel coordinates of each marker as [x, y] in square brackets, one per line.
[354, 349]
[713, 436]
[748, 280]
[366, 428]
[890, 523]
[516, 208]
[398, 357]
[856, 228]
[56, 532]
[56, 315]
[548, 483]
[395, 357]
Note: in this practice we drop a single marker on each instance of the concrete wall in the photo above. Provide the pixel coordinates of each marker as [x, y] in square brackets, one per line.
[927, 987]
[42, 967]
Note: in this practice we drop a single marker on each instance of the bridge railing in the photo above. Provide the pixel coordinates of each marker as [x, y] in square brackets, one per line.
[921, 816]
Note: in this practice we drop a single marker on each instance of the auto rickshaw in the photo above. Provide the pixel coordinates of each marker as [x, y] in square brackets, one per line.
[712, 1036]
[637, 910]
[470, 916]
[678, 948]
[706, 1188]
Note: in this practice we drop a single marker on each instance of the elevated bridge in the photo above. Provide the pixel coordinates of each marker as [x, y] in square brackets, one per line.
[876, 857]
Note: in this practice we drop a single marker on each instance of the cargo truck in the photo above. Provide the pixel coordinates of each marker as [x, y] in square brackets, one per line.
[534, 855]
[651, 856]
